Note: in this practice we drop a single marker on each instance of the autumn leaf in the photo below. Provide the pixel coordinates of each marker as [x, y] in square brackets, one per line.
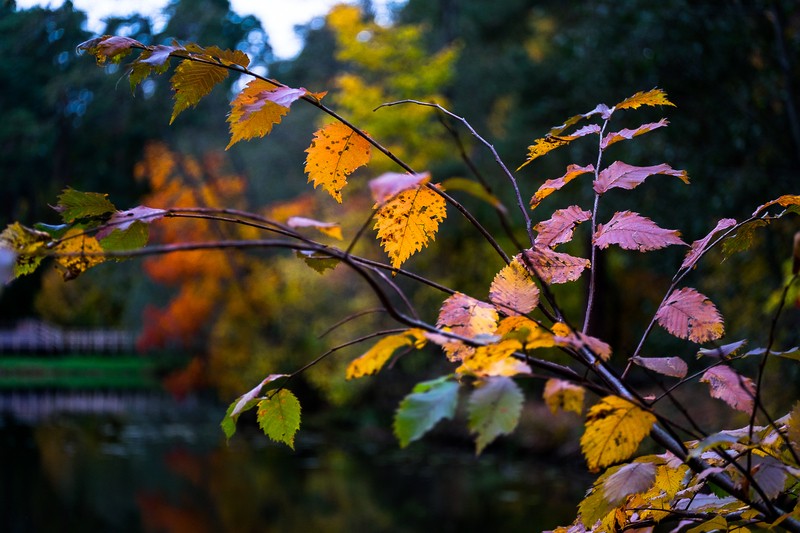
[494, 360]
[258, 107]
[407, 222]
[109, 47]
[742, 239]
[554, 267]
[551, 186]
[192, 81]
[727, 385]
[76, 253]
[619, 175]
[632, 231]
[653, 97]
[122, 220]
[669, 366]
[541, 147]
[700, 246]
[559, 228]
[787, 200]
[560, 395]
[513, 291]
[493, 409]
[614, 429]
[133, 237]
[334, 154]
[73, 205]
[390, 184]
[595, 507]
[626, 134]
[428, 403]
[688, 314]
[632, 478]
[249, 400]
[376, 357]
[526, 331]
[331, 229]
[724, 351]
[467, 317]
[279, 416]
[27, 246]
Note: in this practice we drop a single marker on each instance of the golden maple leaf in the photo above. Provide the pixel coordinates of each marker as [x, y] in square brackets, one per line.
[336, 151]
[408, 222]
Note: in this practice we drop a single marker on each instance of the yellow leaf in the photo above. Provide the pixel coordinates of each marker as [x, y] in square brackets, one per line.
[407, 222]
[27, 245]
[377, 356]
[560, 395]
[653, 97]
[76, 253]
[467, 317]
[667, 484]
[560, 329]
[614, 429]
[257, 108]
[513, 291]
[542, 146]
[494, 360]
[335, 153]
[531, 334]
[192, 81]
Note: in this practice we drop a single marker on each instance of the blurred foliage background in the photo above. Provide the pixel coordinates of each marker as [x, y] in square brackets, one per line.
[513, 69]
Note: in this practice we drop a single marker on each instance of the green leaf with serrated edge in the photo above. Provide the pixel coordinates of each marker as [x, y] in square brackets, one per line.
[74, 204]
[494, 410]
[743, 238]
[249, 400]
[428, 403]
[279, 416]
[132, 238]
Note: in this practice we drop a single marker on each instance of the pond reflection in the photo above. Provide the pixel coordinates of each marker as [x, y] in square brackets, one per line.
[171, 471]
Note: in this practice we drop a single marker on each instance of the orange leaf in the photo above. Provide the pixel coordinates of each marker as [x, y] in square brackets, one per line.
[550, 142]
[408, 221]
[513, 291]
[554, 267]
[467, 317]
[653, 97]
[531, 334]
[688, 314]
[577, 340]
[257, 108]
[551, 186]
[334, 154]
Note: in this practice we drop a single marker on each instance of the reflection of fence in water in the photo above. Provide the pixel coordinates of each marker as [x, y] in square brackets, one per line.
[32, 406]
[39, 337]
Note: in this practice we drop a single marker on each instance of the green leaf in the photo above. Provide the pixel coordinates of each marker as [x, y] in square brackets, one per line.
[319, 262]
[428, 403]
[743, 238]
[494, 410]
[132, 238]
[27, 247]
[279, 416]
[74, 204]
[249, 400]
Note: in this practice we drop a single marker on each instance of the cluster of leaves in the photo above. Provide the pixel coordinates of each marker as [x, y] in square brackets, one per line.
[746, 477]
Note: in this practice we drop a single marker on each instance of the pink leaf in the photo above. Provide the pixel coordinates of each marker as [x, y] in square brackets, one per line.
[122, 220]
[700, 246]
[560, 227]
[632, 231]
[551, 186]
[624, 176]
[626, 134]
[577, 340]
[728, 386]
[688, 314]
[554, 267]
[282, 96]
[389, 184]
[668, 366]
